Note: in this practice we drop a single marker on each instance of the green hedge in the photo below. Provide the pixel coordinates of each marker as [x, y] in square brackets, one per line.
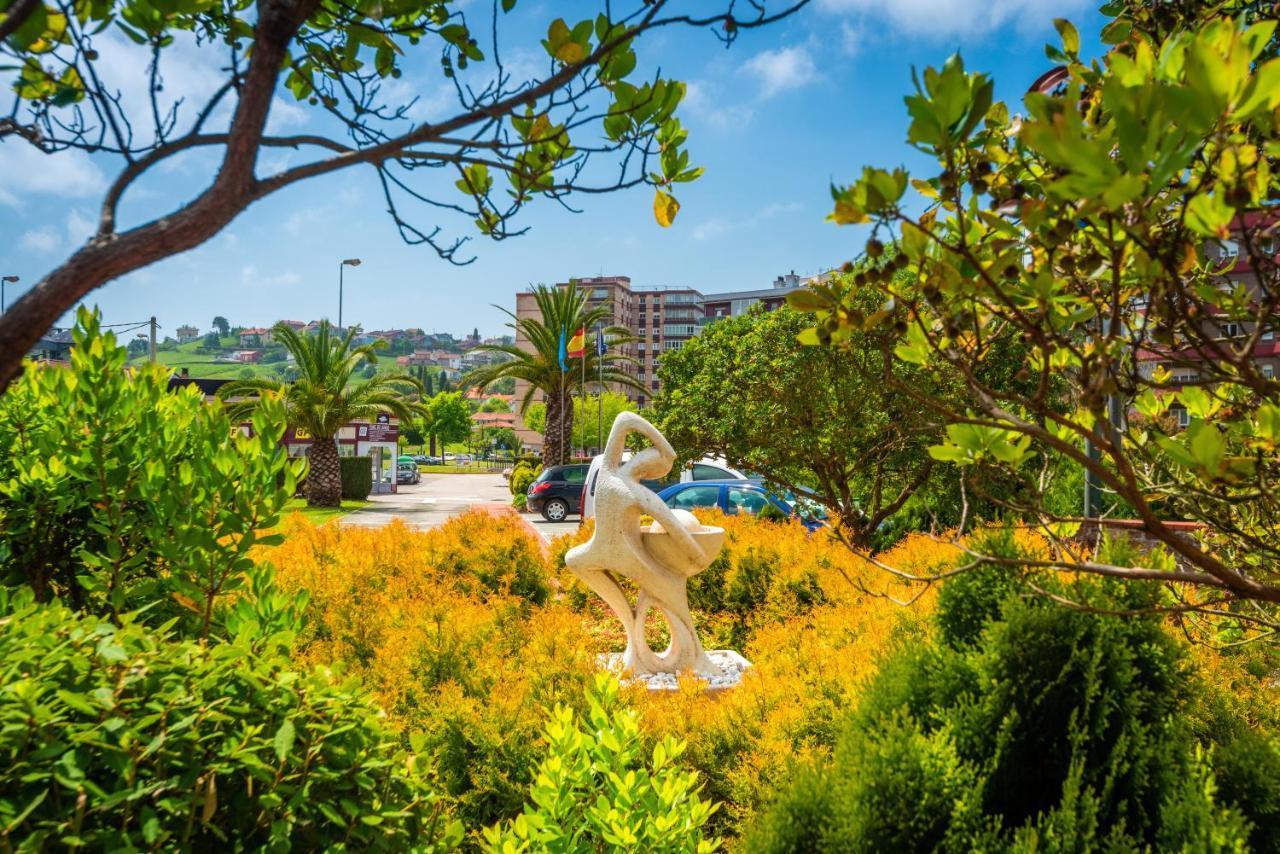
[120, 737]
[357, 478]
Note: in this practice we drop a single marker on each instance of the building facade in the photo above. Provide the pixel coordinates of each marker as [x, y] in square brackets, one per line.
[661, 319]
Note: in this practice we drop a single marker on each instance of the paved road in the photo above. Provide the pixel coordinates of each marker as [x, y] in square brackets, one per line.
[440, 496]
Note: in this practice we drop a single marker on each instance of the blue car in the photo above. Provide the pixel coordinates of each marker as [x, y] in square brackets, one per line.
[730, 496]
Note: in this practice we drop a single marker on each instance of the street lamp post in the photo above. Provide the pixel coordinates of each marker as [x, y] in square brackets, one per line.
[350, 262]
[4, 280]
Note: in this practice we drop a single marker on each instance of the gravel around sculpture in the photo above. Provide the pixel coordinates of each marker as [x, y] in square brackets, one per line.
[658, 558]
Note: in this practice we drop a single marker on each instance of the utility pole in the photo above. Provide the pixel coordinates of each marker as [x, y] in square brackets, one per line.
[152, 343]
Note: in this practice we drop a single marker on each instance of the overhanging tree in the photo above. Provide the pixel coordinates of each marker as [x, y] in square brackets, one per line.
[1125, 230]
[511, 140]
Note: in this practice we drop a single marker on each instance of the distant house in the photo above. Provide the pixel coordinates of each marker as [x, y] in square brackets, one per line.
[255, 337]
[248, 357]
[208, 387]
[186, 334]
[295, 325]
[53, 346]
[494, 419]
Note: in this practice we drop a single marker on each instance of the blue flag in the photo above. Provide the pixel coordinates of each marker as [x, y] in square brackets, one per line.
[564, 351]
[601, 347]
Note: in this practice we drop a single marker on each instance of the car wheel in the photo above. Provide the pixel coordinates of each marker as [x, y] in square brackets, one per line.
[555, 510]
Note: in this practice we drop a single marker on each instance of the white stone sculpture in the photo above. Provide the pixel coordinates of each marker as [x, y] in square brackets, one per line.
[659, 558]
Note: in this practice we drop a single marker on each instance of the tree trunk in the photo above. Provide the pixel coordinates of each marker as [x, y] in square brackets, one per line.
[110, 254]
[555, 450]
[324, 476]
[433, 444]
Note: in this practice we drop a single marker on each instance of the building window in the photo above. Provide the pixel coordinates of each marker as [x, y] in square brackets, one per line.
[640, 400]
[1269, 371]
[1228, 249]
[1180, 412]
[1230, 329]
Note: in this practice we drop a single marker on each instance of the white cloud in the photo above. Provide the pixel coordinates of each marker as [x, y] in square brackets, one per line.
[940, 19]
[26, 171]
[713, 228]
[305, 219]
[851, 38]
[80, 227]
[249, 276]
[705, 100]
[782, 69]
[285, 114]
[44, 239]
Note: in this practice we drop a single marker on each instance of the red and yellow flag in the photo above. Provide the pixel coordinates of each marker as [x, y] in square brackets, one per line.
[577, 346]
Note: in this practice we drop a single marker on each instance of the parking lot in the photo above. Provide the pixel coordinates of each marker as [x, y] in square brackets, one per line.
[439, 497]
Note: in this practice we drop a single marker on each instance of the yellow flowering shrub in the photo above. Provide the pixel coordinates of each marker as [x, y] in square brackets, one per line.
[470, 632]
[447, 629]
[811, 617]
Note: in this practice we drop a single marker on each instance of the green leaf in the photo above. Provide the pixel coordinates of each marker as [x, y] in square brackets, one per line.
[283, 742]
[1070, 37]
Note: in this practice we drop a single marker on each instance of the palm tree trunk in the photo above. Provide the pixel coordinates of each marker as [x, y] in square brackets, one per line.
[555, 450]
[324, 476]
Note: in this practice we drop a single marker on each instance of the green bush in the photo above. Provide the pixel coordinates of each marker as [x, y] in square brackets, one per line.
[522, 476]
[117, 493]
[1031, 726]
[600, 788]
[973, 599]
[122, 737]
[357, 478]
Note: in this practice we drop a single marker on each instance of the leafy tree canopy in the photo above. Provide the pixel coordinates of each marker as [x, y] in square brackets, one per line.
[1122, 228]
[509, 141]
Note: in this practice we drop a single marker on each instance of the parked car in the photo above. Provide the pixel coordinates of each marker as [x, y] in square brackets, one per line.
[707, 468]
[732, 497]
[407, 472]
[557, 493]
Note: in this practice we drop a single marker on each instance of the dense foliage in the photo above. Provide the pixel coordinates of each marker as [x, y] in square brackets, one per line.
[1037, 726]
[1122, 227]
[121, 736]
[452, 630]
[117, 493]
[357, 478]
[810, 419]
[600, 788]
[149, 697]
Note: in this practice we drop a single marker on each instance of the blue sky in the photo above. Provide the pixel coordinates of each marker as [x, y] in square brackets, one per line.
[774, 119]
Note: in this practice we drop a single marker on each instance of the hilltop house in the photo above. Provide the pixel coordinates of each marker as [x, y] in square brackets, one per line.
[255, 337]
[187, 333]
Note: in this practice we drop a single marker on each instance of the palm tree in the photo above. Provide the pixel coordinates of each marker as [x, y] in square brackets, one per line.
[324, 399]
[563, 311]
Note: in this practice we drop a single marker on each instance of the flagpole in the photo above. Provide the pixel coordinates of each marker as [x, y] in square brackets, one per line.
[600, 350]
[584, 391]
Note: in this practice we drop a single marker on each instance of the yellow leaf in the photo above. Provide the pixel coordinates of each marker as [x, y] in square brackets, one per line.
[571, 53]
[665, 208]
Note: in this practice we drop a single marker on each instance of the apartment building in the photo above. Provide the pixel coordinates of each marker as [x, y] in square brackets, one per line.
[661, 318]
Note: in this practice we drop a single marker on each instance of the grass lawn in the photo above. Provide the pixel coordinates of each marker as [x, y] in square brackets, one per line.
[469, 468]
[320, 515]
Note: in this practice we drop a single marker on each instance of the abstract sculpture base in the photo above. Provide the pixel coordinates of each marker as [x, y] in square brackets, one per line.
[730, 663]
